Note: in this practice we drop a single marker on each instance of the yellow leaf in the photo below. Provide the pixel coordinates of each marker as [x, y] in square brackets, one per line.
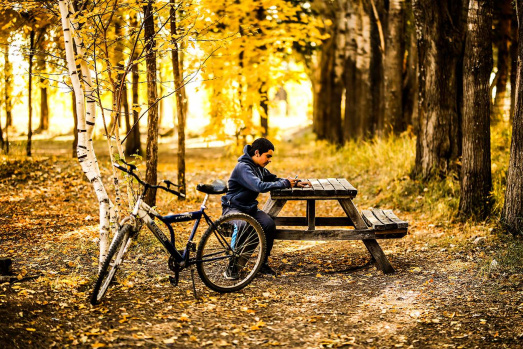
[170, 340]
[257, 326]
[184, 318]
[98, 345]
[30, 329]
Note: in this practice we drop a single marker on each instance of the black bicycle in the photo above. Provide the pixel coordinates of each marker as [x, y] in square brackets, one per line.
[229, 254]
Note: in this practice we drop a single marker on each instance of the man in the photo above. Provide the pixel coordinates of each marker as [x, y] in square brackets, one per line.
[247, 180]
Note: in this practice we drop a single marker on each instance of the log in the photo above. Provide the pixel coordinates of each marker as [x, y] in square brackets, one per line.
[5, 266]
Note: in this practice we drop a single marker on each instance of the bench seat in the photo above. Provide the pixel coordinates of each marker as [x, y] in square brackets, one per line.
[383, 221]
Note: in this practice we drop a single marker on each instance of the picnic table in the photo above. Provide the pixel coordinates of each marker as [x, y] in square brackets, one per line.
[369, 226]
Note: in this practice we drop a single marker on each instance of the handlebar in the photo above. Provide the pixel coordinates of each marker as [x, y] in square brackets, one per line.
[145, 184]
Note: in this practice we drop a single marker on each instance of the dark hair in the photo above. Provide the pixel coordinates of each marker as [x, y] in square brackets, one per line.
[262, 145]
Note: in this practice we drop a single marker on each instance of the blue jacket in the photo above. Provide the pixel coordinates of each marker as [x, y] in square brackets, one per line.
[247, 181]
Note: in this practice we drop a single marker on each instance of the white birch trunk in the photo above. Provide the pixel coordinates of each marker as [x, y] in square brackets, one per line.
[86, 118]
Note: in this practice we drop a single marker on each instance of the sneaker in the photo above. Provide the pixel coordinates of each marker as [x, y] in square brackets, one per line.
[231, 273]
[266, 270]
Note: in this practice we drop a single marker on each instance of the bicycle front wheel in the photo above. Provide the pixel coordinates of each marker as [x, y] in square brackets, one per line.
[231, 252]
[111, 263]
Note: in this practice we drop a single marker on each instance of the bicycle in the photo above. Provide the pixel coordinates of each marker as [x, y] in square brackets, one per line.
[230, 252]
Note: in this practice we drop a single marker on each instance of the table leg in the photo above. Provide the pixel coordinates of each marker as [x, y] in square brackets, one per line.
[311, 214]
[382, 263]
[273, 207]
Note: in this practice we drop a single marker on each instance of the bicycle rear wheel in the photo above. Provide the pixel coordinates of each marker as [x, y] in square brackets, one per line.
[111, 263]
[231, 252]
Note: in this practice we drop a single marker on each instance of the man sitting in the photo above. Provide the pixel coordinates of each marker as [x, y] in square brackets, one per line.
[247, 180]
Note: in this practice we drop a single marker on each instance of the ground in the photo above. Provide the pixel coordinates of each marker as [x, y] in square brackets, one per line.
[443, 293]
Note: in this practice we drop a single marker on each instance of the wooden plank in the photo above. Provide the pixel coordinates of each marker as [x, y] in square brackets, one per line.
[273, 207]
[312, 196]
[320, 221]
[323, 235]
[382, 217]
[348, 186]
[392, 217]
[371, 220]
[382, 263]
[387, 223]
[317, 187]
[308, 189]
[311, 214]
[335, 234]
[352, 212]
[301, 192]
[340, 189]
[327, 187]
[394, 232]
[281, 192]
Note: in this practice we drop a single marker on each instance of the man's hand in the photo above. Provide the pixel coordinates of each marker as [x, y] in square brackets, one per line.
[303, 184]
[295, 182]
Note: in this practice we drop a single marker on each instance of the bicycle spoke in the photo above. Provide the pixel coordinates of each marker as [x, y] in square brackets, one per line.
[235, 270]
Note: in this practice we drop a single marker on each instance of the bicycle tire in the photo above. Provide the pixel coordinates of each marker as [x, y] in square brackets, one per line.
[111, 263]
[215, 258]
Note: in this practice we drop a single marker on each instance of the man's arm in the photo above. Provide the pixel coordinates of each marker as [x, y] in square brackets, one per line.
[248, 179]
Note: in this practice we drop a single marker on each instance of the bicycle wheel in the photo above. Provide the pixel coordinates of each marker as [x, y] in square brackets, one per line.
[111, 263]
[231, 252]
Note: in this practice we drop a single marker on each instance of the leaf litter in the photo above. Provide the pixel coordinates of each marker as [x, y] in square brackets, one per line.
[325, 296]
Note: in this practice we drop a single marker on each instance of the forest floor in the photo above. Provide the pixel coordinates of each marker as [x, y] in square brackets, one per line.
[447, 291]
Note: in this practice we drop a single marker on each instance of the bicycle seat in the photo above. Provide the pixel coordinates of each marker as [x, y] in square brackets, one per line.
[216, 187]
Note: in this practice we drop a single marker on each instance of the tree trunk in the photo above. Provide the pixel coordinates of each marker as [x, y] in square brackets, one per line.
[512, 214]
[503, 45]
[29, 99]
[264, 109]
[327, 113]
[393, 68]
[44, 106]
[7, 88]
[410, 76]
[377, 107]
[476, 179]
[440, 28]
[358, 96]
[2, 141]
[75, 131]
[86, 121]
[125, 104]
[133, 144]
[513, 63]
[152, 96]
[180, 100]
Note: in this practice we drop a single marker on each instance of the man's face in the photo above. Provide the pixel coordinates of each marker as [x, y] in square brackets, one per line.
[263, 159]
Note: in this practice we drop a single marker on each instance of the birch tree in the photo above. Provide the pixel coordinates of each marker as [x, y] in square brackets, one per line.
[86, 114]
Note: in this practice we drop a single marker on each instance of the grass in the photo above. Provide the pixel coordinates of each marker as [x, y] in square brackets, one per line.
[380, 169]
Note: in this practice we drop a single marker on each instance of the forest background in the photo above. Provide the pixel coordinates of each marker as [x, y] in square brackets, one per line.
[415, 102]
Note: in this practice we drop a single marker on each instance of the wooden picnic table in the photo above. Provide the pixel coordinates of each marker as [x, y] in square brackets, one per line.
[369, 226]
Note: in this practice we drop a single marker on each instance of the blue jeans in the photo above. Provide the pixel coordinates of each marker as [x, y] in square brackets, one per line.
[266, 222]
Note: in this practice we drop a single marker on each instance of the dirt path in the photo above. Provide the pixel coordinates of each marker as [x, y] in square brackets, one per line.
[325, 296]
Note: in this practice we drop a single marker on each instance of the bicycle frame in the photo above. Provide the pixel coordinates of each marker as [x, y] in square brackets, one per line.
[144, 212]
[147, 214]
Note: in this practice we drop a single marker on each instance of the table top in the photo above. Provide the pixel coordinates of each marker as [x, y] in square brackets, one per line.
[322, 189]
